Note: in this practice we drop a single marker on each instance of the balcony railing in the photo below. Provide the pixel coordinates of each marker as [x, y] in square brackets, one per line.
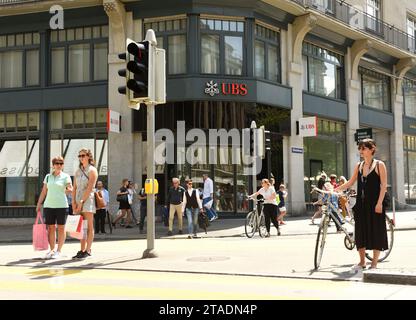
[8, 2]
[358, 19]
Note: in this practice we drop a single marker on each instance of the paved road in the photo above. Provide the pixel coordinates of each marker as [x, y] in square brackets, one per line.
[59, 283]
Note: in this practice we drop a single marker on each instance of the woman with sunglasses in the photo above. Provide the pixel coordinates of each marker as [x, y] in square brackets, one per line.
[83, 199]
[55, 187]
[369, 212]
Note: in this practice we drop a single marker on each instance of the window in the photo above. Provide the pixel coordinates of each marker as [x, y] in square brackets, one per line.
[19, 60]
[375, 90]
[267, 54]
[19, 158]
[222, 46]
[210, 53]
[411, 31]
[82, 52]
[171, 35]
[374, 15]
[325, 71]
[409, 93]
[67, 142]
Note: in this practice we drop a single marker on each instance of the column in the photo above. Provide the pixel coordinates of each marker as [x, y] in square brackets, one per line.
[295, 35]
[397, 161]
[120, 145]
[352, 61]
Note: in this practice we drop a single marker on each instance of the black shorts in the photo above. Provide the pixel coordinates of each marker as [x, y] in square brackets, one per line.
[124, 205]
[55, 216]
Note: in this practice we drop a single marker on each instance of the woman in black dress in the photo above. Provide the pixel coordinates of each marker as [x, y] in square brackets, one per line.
[369, 212]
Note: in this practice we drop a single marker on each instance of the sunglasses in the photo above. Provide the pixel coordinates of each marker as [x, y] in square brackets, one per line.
[59, 163]
[190, 183]
[82, 156]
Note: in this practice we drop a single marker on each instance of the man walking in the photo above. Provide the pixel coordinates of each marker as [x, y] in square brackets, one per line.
[174, 203]
[208, 197]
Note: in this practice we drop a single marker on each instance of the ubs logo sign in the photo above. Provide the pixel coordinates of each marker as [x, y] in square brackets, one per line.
[236, 89]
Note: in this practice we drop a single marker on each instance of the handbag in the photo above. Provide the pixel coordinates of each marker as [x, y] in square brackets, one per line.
[40, 235]
[99, 200]
[122, 198]
[73, 223]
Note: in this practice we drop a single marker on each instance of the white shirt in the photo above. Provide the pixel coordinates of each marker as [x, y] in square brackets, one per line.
[198, 198]
[267, 194]
[208, 188]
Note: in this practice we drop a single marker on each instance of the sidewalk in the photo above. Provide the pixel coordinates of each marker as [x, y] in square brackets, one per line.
[222, 228]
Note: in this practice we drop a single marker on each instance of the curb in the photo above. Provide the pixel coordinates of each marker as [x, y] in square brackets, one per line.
[401, 277]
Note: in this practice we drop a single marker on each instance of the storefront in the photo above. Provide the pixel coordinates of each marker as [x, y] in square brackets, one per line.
[231, 184]
[324, 153]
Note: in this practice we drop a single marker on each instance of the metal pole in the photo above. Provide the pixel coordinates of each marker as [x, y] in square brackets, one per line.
[254, 126]
[150, 252]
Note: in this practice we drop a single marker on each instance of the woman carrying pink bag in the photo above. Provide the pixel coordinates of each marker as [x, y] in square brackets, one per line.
[55, 187]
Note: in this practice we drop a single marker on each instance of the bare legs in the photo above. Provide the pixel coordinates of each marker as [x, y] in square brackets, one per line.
[376, 255]
[87, 243]
[52, 236]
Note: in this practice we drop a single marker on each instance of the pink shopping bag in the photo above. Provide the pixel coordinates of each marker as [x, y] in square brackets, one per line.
[40, 235]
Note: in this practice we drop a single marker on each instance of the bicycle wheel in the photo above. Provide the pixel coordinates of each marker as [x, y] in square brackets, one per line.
[320, 241]
[390, 239]
[250, 224]
[262, 226]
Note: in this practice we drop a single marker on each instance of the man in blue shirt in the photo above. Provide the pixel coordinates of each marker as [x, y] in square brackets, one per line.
[332, 198]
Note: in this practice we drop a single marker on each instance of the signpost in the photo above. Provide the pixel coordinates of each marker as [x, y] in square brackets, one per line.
[308, 127]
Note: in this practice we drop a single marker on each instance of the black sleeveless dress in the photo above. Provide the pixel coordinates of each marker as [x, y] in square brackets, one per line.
[370, 227]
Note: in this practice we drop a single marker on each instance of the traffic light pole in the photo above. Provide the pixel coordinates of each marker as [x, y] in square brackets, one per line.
[150, 251]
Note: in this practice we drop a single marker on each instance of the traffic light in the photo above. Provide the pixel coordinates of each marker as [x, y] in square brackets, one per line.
[267, 140]
[136, 72]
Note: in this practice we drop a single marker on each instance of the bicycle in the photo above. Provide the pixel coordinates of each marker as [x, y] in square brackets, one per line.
[255, 220]
[349, 241]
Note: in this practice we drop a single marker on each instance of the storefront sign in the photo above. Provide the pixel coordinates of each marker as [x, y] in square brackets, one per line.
[361, 134]
[308, 127]
[113, 121]
[225, 88]
[297, 150]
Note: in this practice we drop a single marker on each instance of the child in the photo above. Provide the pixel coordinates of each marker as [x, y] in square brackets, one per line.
[281, 206]
[332, 197]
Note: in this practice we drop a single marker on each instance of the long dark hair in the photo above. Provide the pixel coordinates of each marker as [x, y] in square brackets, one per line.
[321, 183]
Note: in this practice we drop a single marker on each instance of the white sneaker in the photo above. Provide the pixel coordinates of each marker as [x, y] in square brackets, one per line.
[56, 255]
[357, 268]
[49, 255]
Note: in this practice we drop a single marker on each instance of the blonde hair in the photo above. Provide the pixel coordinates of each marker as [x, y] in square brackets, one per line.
[89, 154]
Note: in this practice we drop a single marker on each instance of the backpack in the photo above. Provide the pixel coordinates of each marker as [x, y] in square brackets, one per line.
[203, 220]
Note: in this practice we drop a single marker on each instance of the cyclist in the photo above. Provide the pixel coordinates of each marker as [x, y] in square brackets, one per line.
[269, 206]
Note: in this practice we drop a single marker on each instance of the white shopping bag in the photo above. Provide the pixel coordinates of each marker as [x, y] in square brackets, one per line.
[73, 223]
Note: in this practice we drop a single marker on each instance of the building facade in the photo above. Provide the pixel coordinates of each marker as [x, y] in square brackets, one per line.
[350, 64]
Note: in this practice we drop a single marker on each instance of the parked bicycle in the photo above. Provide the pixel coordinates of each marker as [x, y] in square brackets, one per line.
[255, 220]
[349, 240]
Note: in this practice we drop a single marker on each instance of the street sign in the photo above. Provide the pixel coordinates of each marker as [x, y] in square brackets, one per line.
[361, 134]
[308, 127]
[297, 150]
[113, 121]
